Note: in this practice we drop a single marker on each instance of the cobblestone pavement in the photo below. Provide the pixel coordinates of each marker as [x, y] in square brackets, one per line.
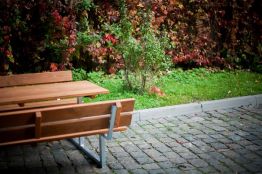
[223, 141]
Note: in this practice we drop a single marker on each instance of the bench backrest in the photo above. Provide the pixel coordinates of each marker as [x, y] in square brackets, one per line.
[61, 122]
[35, 78]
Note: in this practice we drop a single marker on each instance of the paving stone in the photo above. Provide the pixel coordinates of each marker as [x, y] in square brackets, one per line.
[188, 155]
[203, 149]
[158, 125]
[218, 145]
[170, 155]
[144, 160]
[15, 151]
[198, 163]
[217, 136]
[104, 170]
[172, 144]
[47, 158]
[253, 167]
[177, 160]
[258, 142]
[155, 155]
[55, 145]
[129, 147]
[166, 140]
[17, 161]
[61, 158]
[199, 143]
[76, 157]
[208, 169]
[138, 154]
[252, 156]
[205, 156]
[166, 164]
[218, 128]
[181, 140]
[174, 171]
[67, 145]
[217, 155]
[185, 166]
[129, 163]
[180, 149]
[233, 166]
[189, 137]
[33, 161]
[157, 144]
[234, 146]
[252, 147]
[193, 171]
[252, 138]
[51, 169]
[34, 170]
[221, 167]
[163, 149]
[83, 169]
[156, 171]
[201, 136]
[121, 171]
[235, 137]
[210, 140]
[144, 145]
[225, 140]
[151, 166]
[120, 154]
[138, 171]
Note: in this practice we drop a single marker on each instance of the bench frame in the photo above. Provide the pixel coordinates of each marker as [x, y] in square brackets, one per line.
[101, 158]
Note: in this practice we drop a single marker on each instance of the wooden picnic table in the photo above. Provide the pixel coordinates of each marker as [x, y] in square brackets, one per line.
[38, 107]
[51, 91]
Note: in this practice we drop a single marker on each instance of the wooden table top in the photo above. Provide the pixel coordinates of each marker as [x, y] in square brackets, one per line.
[31, 93]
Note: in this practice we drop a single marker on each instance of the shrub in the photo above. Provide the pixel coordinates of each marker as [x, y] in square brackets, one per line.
[142, 51]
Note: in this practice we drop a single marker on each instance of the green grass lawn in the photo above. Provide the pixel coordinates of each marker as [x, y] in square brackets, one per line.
[184, 87]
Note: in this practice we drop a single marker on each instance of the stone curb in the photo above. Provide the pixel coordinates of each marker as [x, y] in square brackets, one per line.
[169, 111]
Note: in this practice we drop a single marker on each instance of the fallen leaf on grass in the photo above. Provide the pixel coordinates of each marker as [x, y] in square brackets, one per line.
[157, 91]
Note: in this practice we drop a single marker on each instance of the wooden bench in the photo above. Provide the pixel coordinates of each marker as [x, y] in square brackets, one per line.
[60, 122]
[33, 79]
[51, 120]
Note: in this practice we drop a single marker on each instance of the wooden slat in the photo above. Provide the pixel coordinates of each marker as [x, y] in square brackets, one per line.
[84, 110]
[80, 125]
[17, 119]
[118, 112]
[35, 78]
[38, 129]
[59, 137]
[52, 91]
[39, 104]
[127, 106]
[17, 133]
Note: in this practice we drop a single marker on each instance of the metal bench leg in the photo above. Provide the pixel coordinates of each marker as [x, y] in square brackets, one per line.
[102, 149]
[101, 158]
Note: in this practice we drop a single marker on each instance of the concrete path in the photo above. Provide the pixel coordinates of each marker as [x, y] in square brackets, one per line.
[220, 141]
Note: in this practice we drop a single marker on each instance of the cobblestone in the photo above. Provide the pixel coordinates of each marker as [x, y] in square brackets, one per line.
[222, 141]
